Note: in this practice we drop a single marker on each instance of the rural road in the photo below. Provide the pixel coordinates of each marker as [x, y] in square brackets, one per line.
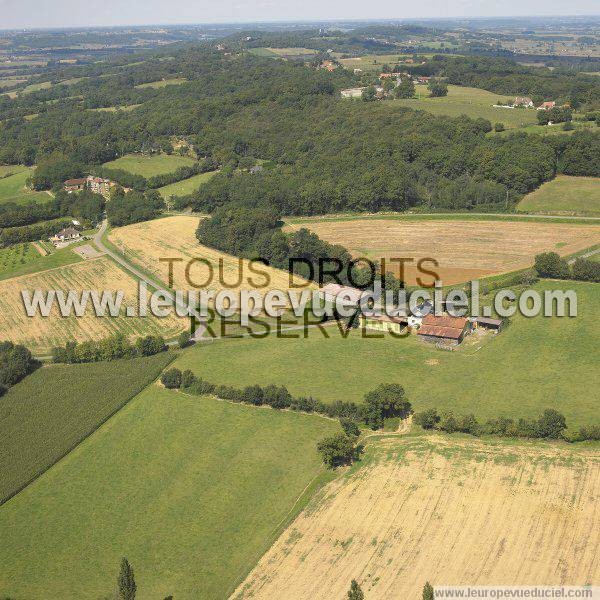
[382, 215]
[586, 255]
[201, 327]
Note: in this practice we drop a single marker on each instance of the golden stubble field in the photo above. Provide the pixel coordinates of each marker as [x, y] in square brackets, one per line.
[447, 511]
[175, 237]
[41, 333]
[464, 249]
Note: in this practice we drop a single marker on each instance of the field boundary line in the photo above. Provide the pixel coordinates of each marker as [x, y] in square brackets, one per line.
[85, 436]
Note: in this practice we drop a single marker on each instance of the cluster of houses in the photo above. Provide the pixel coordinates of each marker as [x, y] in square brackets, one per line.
[98, 185]
[526, 102]
[66, 236]
[445, 329]
[379, 90]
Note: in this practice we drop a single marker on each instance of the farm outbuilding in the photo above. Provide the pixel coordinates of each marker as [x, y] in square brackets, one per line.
[443, 329]
[487, 323]
[384, 323]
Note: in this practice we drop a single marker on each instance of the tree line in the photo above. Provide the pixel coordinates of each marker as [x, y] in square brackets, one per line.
[385, 401]
[255, 233]
[552, 265]
[16, 362]
[551, 424]
[111, 348]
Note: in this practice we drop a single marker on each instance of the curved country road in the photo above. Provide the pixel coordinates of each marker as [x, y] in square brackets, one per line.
[201, 325]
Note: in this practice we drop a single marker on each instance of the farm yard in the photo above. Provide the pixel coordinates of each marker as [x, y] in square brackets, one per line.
[565, 195]
[150, 165]
[175, 237]
[12, 186]
[51, 411]
[99, 274]
[473, 102]
[448, 511]
[465, 250]
[536, 363]
[186, 186]
[226, 476]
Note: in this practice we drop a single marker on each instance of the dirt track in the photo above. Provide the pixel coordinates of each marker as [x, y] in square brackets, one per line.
[449, 512]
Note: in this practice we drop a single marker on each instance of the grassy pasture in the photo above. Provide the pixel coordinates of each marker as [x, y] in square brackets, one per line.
[536, 363]
[149, 166]
[442, 510]
[124, 108]
[373, 62]
[53, 409]
[162, 83]
[186, 186]
[565, 195]
[191, 490]
[12, 187]
[473, 102]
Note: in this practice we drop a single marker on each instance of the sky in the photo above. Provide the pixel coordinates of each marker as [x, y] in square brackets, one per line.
[16, 14]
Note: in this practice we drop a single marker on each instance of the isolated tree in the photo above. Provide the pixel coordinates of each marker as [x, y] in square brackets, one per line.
[126, 587]
[498, 127]
[355, 592]
[171, 378]
[427, 591]
[385, 401]
[437, 88]
[405, 89]
[337, 450]
[368, 94]
[550, 264]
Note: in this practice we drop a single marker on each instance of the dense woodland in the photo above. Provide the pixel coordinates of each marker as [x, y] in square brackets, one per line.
[319, 153]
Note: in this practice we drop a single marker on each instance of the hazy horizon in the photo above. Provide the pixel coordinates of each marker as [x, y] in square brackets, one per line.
[45, 14]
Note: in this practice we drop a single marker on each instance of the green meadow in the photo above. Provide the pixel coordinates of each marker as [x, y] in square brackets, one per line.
[535, 363]
[192, 490]
[12, 186]
[473, 102]
[566, 195]
[52, 410]
[150, 165]
[14, 261]
[186, 186]
[162, 83]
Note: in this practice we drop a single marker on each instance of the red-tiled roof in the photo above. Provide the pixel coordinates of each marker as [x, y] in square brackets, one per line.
[75, 181]
[443, 326]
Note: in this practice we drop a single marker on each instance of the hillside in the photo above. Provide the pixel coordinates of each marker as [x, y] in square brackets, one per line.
[536, 363]
[448, 511]
[191, 490]
[51, 411]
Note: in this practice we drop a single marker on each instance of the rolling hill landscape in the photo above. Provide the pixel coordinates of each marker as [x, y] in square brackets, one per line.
[339, 445]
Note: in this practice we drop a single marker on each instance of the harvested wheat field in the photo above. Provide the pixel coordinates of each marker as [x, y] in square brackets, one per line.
[464, 249]
[450, 511]
[175, 237]
[99, 274]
